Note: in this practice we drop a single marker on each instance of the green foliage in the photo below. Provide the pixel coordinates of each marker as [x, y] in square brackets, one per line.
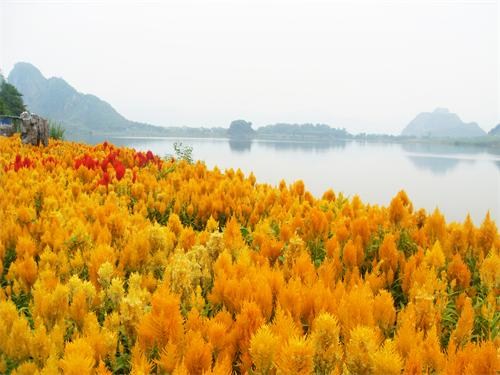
[372, 248]
[183, 152]
[11, 102]
[122, 363]
[449, 319]
[155, 215]
[396, 289]
[71, 328]
[406, 243]
[484, 327]
[9, 257]
[10, 365]
[317, 251]
[22, 301]
[247, 236]
[38, 203]
[165, 171]
[56, 130]
[275, 227]
[190, 220]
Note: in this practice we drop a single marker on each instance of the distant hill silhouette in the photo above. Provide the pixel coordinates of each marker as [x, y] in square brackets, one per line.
[495, 131]
[55, 99]
[441, 123]
[321, 132]
[240, 129]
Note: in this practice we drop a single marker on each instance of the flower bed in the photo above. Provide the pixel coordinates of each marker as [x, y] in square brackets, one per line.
[116, 261]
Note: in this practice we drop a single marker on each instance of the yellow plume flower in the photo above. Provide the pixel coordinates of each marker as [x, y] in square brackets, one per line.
[363, 342]
[78, 358]
[295, 357]
[325, 340]
[386, 360]
[263, 346]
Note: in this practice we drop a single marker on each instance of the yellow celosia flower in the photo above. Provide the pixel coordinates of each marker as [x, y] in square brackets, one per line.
[489, 271]
[363, 342]
[263, 346]
[325, 339]
[435, 256]
[295, 357]
[26, 368]
[139, 362]
[115, 291]
[78, 358]
[105, 274]
[386, 360]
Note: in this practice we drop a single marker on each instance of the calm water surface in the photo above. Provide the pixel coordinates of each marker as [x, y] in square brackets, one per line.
[457, 180]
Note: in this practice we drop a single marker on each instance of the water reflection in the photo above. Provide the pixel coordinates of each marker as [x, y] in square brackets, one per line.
[434, 164]
[445, 149]
[443, 158]
[240, 145]
[303, 146]
[425, 148]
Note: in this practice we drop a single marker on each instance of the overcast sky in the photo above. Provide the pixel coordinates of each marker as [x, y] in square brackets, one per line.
[364, 65]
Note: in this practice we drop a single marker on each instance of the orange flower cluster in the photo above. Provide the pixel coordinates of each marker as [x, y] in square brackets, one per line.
[113, 261]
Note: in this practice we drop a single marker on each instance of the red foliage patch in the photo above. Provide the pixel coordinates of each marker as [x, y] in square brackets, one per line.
[86, 161]
[143, 159]
[19, 163]
[112, 159]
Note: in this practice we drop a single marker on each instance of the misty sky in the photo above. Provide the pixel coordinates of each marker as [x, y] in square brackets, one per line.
[364, 65]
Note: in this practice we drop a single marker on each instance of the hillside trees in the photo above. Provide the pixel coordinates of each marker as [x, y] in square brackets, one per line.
[11, 101]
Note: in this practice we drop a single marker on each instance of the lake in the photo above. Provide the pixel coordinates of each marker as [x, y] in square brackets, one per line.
[457, 180]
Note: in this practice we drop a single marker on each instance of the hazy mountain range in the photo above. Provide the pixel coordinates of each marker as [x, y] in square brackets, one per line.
[82, 113]
[441, 123]
[495, 131]
[55, 99]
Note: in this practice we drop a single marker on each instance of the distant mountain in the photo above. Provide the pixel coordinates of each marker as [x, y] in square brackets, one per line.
[441, 123]
[495, 131]
[55, 99]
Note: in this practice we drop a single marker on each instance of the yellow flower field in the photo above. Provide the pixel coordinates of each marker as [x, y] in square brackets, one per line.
[115, 261]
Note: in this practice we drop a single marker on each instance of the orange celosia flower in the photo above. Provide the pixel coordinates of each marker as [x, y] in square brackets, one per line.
[198, 356]
[78, 358]
[105, 252]
[463, 330]
[458, 270]
[384, 311]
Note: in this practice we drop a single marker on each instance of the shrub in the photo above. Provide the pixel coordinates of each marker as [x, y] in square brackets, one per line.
[56, 130]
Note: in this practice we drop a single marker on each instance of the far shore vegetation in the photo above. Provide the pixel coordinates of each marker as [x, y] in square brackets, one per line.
[290, 132]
